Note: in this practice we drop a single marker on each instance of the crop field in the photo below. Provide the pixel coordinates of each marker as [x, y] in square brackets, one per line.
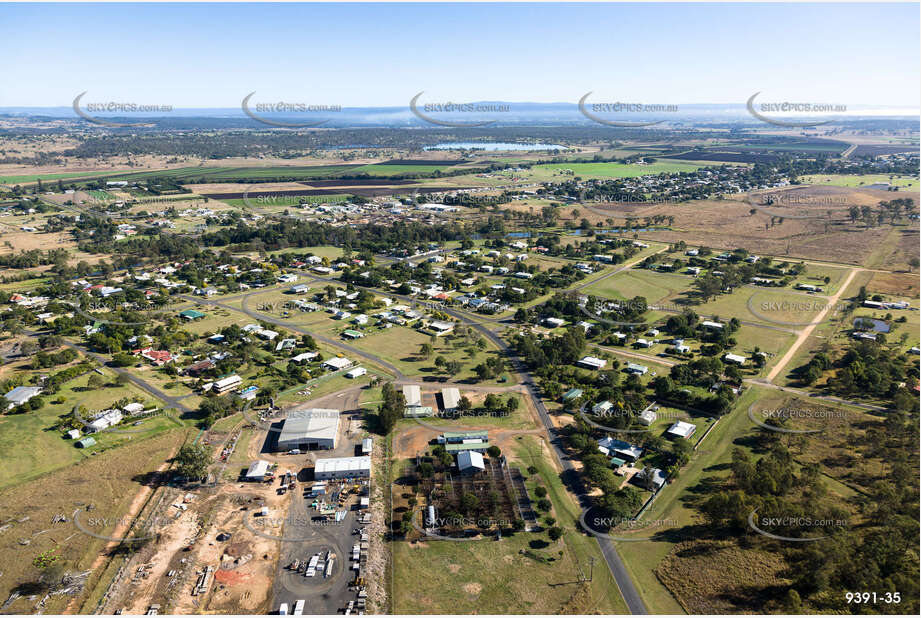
[29, 178]
[608, 170]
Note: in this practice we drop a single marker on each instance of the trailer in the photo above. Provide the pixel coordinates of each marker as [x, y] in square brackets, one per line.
[298, 608]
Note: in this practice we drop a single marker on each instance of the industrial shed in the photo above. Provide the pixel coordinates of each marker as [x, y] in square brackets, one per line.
[342, 468]
[311, 428]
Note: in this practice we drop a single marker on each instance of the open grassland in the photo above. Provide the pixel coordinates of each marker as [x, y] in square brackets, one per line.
[857, 181]
[654, 287]
[729, 223]
[108, 482]
[697, 567]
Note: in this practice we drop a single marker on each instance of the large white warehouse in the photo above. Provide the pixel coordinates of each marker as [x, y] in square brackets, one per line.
[343, 467]
[311, 428]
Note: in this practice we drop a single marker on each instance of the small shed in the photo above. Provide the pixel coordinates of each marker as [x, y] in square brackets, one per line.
[85, 442]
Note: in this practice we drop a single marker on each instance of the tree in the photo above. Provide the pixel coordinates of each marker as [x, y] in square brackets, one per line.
[426, 350]
[95, 382]
[512, 404]
[464, 404]
[493, 451]
[555, 533]
[192, 461]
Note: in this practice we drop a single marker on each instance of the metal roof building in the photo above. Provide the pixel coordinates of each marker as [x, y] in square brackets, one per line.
[412, 395]
[342, 467]
[470, 462]
[257, 470]
[310, 428]
[450, 397]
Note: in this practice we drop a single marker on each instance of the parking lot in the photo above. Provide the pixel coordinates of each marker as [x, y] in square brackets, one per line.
[312, 527]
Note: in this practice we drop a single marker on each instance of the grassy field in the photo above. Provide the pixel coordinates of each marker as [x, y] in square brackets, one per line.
[108, 482]
[609, 170]
[30, 447]
[857, 181]
[652, 286]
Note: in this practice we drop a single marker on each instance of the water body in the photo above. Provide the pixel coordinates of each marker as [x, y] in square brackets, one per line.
[493, 146]
[878, 326]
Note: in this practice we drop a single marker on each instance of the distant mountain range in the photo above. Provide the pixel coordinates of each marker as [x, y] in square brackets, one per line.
[512, 113]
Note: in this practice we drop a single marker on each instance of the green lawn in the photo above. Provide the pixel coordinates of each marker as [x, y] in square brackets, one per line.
[30, 446]
[650, 285]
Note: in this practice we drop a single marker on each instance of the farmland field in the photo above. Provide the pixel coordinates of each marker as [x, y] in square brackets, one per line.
[611, 170]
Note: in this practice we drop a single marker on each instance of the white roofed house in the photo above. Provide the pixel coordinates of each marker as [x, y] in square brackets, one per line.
[590, 362]
[106, 419]
[439, 327]
[337, 363]
[20, 395]
[734, 359]
[681, 429]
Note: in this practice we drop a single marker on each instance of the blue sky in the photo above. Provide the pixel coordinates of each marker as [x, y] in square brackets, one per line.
[211, 55]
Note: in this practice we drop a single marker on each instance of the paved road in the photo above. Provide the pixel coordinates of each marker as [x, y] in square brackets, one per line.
[570, 475]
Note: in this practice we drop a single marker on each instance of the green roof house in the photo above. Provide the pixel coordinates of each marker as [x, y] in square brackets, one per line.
[191, 314]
